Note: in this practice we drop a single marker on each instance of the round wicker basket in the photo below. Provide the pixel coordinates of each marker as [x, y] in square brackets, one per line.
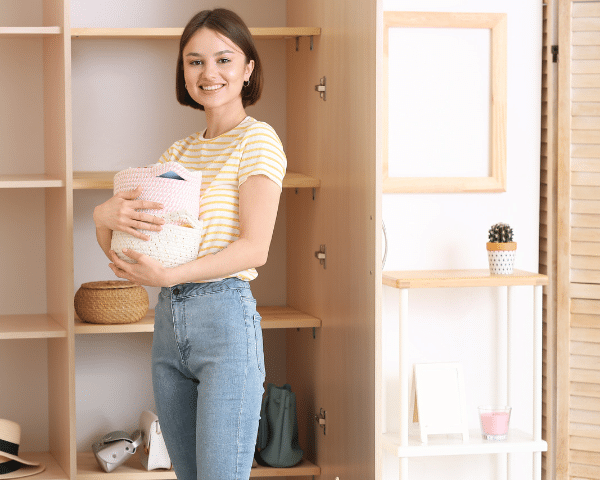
[111, 302]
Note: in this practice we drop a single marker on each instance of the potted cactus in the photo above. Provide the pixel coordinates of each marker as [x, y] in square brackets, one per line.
[501, 249]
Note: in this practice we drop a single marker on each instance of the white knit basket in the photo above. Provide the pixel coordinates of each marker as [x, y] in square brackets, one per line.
[174, 245]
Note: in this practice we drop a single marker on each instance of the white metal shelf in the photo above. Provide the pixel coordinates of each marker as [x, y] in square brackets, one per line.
[438, 445]
[403, 444]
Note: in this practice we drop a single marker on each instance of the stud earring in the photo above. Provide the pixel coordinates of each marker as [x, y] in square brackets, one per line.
[246, 83]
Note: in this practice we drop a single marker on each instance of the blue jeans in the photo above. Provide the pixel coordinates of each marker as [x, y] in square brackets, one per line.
[208, 372]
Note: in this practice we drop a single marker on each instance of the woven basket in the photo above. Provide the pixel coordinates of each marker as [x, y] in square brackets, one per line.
[111, 302]
[175, 195]
[177, 243]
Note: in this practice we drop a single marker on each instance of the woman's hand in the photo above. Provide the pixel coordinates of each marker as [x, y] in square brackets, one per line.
[120, 213]
[146, 271]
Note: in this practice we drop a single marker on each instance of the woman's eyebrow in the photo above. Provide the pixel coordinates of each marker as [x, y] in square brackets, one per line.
[194, 54]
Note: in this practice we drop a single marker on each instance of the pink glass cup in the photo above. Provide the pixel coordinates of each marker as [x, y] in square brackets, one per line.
[494, 422]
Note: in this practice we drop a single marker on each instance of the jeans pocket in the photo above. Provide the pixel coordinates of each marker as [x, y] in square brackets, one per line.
[260, 356]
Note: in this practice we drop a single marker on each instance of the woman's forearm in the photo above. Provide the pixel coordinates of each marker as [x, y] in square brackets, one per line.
[238, 256]
[104, 237]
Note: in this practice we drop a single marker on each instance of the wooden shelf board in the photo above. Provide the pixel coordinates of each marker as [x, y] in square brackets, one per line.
[460, 278]
[88, 469]
[441, 445]
[258, 33]
[29, 181]
[104, 180]
[29, 326]
[13, 32]
[52, 470]
[272, 317]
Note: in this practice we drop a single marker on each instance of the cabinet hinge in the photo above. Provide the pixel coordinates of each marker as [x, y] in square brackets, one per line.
[320, 419]
[554, 51]
[321, 255]
[321, 88]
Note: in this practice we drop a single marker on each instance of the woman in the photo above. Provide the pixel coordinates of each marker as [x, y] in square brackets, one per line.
[207, 357]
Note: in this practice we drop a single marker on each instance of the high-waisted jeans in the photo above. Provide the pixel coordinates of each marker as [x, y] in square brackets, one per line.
[208, 372]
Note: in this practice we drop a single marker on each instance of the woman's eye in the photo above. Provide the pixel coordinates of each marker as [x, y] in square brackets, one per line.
[196, 62]
[224, 60]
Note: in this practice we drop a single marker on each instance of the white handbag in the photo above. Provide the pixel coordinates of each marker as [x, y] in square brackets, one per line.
[153, 453]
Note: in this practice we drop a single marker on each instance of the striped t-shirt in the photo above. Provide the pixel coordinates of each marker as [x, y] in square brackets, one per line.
[226, 161]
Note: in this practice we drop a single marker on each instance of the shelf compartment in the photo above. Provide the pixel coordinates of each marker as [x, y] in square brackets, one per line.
[104, 180]
[88, 469]
[52, 470]
[460, 278]
[257, 33]
[442, 445]
[272, 317]
[29, 181]
[29, 326]
[13, 32]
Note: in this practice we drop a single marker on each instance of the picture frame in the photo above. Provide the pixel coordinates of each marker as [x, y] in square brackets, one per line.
[429, 145]
[438, 399]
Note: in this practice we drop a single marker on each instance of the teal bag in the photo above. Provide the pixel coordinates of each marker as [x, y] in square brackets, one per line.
[277, 444]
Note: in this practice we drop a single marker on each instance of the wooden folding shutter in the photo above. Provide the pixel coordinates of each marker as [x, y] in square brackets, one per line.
[548, 214]
[578, 241]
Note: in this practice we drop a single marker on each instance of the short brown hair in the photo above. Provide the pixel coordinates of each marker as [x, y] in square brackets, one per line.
[230, 25]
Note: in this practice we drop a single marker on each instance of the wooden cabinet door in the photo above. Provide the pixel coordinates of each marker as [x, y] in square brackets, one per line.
[334, 138]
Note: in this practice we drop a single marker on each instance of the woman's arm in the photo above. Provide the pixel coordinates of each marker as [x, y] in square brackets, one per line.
[258, 204]
[120, 213]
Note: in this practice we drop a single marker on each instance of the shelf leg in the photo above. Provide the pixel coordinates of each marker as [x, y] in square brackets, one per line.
[403, 470]
[537, 377]
[404, 368]
[503, 347]
[404, 380]
[510, 319]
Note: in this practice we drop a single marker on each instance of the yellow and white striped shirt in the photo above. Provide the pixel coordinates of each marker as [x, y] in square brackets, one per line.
[226, 161]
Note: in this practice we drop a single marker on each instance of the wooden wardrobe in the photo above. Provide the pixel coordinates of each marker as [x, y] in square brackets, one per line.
[56, 161]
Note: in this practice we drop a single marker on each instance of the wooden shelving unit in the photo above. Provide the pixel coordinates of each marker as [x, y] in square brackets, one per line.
[104, 180]
[54, 174]
[16, 32]
[29, 326]
[406, 443]
[272, 317]
[88, 469]
[30, 181]
[258, 33]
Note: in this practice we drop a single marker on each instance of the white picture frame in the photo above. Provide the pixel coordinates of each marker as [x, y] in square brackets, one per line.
[439, 399]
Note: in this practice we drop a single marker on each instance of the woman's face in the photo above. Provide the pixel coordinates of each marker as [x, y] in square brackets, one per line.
[214, 70]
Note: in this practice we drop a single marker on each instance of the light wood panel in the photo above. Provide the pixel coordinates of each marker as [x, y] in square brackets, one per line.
[59, 233]
[272, 317]
[258, 33]
[53, 471]
[88, 469]
[344, 217]
[578, 307]
[104, 180]
[30, 181]
[460, 278]
[30, 326]
[17, 32]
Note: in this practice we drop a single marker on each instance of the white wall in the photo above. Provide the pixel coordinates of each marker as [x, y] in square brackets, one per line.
[449, 231]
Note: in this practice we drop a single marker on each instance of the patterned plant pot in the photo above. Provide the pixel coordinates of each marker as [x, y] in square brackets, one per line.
[501, 257]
